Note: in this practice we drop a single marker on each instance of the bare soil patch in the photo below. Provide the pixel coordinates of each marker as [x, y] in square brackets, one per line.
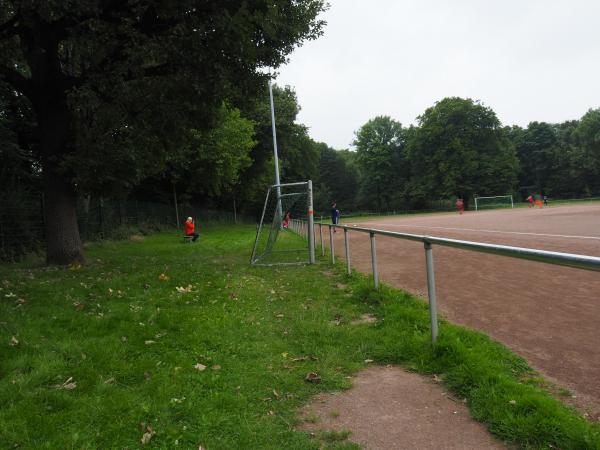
[389, 408]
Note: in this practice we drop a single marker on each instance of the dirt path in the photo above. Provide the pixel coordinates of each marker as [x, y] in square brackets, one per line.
[547, 314]
[389, 408]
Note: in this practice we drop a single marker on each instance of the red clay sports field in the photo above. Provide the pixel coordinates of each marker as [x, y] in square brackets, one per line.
[548, 314]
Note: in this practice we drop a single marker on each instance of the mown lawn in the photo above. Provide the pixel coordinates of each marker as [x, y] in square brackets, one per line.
[108, 354]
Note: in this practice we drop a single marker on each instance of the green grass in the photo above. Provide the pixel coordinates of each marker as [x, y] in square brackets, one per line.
[130, 341]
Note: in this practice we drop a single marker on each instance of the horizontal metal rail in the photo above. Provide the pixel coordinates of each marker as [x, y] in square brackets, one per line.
[562, 259]
[557, 258]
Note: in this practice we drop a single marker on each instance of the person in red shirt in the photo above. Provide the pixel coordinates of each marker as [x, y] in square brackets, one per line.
[189, 229]
[460, 205]
[531, 201]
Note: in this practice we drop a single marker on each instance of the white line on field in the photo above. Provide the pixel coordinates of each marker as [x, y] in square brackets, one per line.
[496, 231]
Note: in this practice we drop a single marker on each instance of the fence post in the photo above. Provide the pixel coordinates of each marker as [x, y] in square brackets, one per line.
[431, 291]
[374, 261]
[311, 225]
[347, 244]
[321, 233]
[331, 245]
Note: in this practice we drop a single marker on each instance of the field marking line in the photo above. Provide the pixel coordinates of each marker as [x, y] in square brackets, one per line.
[496, 231]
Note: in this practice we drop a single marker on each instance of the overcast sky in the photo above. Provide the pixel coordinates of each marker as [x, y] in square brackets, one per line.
[526, 59]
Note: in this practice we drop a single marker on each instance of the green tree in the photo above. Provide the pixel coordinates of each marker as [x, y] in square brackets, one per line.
[337, 180]
[298, 154]
[381, 160]
[460, 149]
[588, 137]
[111, 81]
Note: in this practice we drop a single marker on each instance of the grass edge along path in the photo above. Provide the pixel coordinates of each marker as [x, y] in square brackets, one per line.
[215, 353]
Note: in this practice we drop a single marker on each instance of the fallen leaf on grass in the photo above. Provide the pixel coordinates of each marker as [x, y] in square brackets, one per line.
[312, 377]
[163, 277]
[368, 361]
[68, 385]
[111, 380]
[149, 342]
[78, 306]
[147, 375]
[200, 367]
[184, 290]
[148, 435]
[279, 316]
[275, 393]
[512, 402]
[13, 342]
[216, 367]
[304, 358]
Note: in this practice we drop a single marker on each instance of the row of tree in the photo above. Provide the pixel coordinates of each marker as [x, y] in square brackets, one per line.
[459, 148]
[103, 96]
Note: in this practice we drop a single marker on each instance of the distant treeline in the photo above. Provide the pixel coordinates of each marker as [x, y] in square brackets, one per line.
[459, 148]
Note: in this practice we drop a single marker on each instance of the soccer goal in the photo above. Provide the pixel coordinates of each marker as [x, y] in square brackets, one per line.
[285, 234]
[496, 201]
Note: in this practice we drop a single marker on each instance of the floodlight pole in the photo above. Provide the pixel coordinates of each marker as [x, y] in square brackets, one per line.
[277, 182]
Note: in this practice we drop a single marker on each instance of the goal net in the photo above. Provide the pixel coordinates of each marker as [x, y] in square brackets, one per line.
[496, 201]
[285, 234]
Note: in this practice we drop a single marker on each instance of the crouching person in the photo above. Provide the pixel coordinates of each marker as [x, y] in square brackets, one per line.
[190, 229]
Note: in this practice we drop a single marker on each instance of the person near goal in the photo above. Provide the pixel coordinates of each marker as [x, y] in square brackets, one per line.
[286, 219]
[531, 201]
[190, 229]
[460, 205]
[335, 215]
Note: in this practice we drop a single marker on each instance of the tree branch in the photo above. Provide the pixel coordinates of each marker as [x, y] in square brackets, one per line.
[8, 28]
[17, 81]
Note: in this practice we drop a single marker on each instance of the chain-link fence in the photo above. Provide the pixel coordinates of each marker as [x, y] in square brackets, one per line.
[22, 221]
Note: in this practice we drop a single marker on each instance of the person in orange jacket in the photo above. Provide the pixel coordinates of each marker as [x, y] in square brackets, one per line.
[189, 229]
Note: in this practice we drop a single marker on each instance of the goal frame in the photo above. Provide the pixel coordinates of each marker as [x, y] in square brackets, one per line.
[512, 203]
[276, 188]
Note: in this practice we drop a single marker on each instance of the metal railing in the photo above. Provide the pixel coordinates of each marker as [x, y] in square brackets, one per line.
[557, 258]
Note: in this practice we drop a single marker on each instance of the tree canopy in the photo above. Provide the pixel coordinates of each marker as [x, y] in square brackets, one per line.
[111, 81]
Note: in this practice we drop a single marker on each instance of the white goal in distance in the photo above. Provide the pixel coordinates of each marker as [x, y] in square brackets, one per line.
[495, 201]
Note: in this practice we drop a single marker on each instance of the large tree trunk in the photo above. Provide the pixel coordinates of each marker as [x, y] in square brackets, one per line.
[63, 243]
[62, 232]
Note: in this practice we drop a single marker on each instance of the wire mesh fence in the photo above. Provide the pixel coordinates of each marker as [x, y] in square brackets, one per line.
[22, 221]
[278, 241]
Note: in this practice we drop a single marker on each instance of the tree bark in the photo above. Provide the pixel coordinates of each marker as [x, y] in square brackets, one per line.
[62, 232]
[63, 243]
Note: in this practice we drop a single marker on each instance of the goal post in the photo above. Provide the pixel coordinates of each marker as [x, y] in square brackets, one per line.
[285, 233]
[494, 201]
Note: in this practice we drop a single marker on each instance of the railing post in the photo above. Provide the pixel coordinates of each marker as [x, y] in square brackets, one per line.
[431, 291]
[321, 233]
[311, 225]
[331, 245]
[347, 244]
[374, 261]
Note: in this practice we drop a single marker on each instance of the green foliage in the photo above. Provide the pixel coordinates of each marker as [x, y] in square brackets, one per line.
[116, 86]
[337, 180]
[382, 161]
[459, 149]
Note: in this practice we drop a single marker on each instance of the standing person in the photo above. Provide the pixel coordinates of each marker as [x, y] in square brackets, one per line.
[335, 215]
[460, 205]
[545, 200]
[190, 229]
[286, 219]
[531, 201]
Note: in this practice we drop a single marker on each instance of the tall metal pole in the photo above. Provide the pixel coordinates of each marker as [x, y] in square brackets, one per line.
[277, 182]
[311, 225]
